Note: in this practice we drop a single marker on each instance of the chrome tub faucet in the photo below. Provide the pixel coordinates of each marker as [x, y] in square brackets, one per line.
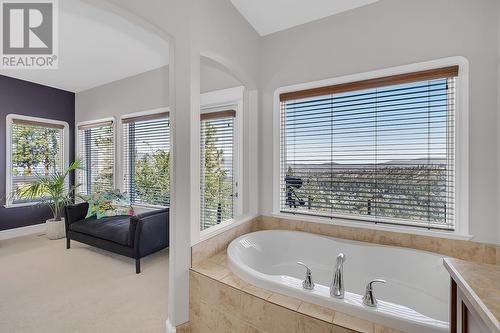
[337, 288]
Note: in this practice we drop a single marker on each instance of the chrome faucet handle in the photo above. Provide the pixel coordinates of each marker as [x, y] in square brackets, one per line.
[308, 283]
[369, 298]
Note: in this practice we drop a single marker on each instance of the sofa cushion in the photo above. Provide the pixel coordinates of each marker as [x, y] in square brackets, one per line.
[114, 228]
[108, 203]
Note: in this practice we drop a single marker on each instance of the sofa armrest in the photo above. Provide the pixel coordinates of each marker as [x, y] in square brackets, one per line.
[74, 213]
[151, 213]
[150, 230]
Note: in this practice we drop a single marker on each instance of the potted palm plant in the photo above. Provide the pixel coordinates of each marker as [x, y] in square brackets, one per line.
[53, 191]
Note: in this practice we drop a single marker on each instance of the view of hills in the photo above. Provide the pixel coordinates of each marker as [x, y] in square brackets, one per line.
[413, 189]
[402, 162]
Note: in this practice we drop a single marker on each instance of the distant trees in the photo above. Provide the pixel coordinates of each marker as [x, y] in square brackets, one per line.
[32, 147]
[103, 141]
[152, 177]
[217, 187]
[415, 192]
[35, 151]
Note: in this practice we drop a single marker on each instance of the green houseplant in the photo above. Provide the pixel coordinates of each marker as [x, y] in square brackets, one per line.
[53, 192]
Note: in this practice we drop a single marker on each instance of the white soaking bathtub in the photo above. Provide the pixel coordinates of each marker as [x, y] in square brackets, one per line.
[414, 298]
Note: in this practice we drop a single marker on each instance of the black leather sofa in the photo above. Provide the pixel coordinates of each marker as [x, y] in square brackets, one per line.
[131, 236]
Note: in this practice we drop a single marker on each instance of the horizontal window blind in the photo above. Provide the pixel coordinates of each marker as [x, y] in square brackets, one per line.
[37, 151]
[146, 157]
[96, 152]
[381, 150]
[217, 186]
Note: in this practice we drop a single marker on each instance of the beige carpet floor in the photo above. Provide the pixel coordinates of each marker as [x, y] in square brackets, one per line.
[46, 288]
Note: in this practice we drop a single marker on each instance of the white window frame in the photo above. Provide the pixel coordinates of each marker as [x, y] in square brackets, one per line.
[221, 100]
[92, 122]
[121, 146]
[461, 150]
[8, 152]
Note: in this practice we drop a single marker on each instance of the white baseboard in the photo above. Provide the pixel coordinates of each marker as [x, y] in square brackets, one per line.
[22, 231]
[170, 328]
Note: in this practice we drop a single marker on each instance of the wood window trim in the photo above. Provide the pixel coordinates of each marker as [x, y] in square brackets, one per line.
[426, 75]
[95, 125]
[37, 123]
[145, 117]
[218, 114]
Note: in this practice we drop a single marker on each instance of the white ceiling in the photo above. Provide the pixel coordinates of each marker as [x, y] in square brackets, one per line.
[97, 47]
[268, 16]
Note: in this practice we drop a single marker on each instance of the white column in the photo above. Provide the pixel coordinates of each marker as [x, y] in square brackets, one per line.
[184, 102]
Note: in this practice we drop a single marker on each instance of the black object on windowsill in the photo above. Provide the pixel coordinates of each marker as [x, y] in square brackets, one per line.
[292, 198]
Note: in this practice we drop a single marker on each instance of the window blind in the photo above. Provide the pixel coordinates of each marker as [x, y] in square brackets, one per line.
[380, 151]
[96, 152]
[37, 151]
[146, 157]
[217, 185]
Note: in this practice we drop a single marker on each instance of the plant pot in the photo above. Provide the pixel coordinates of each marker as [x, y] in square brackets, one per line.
[55, 229]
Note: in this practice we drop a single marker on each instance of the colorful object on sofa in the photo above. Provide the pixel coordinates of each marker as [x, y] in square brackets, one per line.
[110, 203]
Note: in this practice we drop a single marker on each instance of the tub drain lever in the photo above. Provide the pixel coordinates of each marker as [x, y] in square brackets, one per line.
[308, 283]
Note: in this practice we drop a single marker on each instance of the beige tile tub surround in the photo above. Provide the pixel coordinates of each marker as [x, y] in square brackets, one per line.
[222, 302]
[219, 242]
[460, 249]
[184, 328]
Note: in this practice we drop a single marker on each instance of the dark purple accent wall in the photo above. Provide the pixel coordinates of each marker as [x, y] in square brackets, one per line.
[30, 99]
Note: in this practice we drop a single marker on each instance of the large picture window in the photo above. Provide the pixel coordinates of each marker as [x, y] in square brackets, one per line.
[380, 150]
[96, 151]
[35, 148]
[146, 158]
[217, 168]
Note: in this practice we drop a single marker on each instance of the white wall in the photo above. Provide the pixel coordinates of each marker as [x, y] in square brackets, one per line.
[145, 91]
[213, 77]
[386, 34]
[141, 92]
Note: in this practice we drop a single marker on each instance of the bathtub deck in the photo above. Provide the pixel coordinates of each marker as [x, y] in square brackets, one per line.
[216, 268]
